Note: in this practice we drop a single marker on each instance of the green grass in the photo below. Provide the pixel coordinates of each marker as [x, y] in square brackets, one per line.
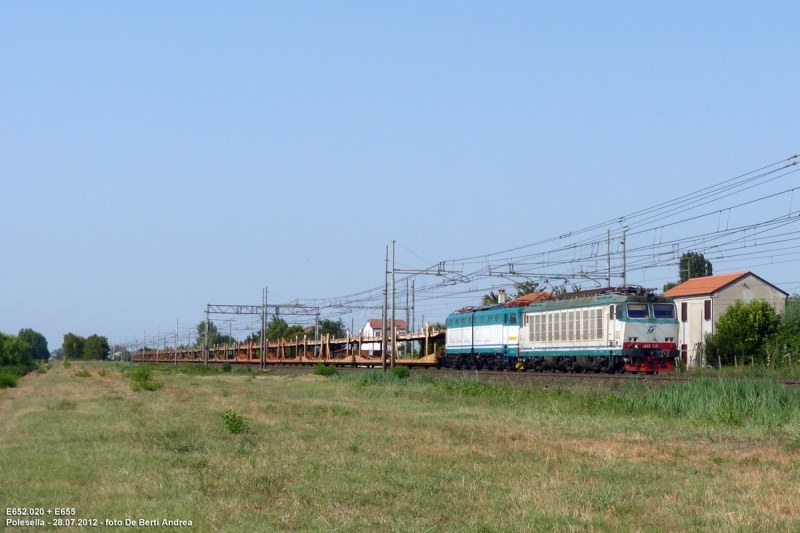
[726, 401]
[325, 370]
[374, 452]
[748, 371]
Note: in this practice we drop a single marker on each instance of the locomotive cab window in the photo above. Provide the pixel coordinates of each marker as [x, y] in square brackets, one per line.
[664, 311]
[513, 319]
[638, 311]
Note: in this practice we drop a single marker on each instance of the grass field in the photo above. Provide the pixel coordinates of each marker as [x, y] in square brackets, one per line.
[363, 453]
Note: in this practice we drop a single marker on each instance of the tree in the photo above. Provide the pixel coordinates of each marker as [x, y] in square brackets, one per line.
[37, 341]
[95, 347]
[489, 299]
[744, 330]
[14, 351]
[276, 328]
[693, 265]
[525, 287]
[670, 285]
[791, 317]
[73, 346]
[213, 334]
[335, 328]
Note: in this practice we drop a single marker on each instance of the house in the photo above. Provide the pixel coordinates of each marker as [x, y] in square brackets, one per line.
[373, 328]
[701, 301]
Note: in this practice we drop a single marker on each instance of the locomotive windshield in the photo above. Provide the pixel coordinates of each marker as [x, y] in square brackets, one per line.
[664, 310]
[638, 311]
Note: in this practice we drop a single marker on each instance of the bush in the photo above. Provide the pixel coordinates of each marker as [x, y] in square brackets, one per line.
[15, 370]
[82, 374]
[744, 330]
[7, 380]
[142, 379]
[401, 371]
[41, 370]
[234, 423]
[322, 370]
[67, 364]
[226, 366]
[101, 373]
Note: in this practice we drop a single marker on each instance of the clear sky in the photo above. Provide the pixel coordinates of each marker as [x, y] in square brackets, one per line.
[159, 156]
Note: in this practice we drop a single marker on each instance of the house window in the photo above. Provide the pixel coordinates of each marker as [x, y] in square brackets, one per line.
[707, 309]
[684, 311]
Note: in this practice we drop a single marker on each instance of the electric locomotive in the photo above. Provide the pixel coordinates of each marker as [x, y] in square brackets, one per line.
[602, 330]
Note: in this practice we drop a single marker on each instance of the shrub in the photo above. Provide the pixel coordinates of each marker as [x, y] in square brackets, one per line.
[67, 364]
[226, 366]
[401, 371]
[16, 370]
[234, 423]
[142, 379]
[82, 374]
[101, 373]
[41, 370]
[322, 370]
[7, 380]
[744, 329]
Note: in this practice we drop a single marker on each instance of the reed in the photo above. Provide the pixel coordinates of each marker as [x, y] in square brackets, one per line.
[726, 401]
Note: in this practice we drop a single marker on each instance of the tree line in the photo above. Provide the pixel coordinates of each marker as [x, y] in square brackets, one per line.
[277, 329]
[87, 348]
[20, 354]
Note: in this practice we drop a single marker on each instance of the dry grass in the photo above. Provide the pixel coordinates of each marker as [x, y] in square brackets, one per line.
[332, 454]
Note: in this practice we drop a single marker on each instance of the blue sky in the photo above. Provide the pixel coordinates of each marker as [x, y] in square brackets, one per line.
[156, 157]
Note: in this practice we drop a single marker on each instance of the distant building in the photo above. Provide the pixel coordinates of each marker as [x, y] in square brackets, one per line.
[373, 328]
[701, 301]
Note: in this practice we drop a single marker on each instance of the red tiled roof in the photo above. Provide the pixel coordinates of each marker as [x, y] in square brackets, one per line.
[705, 285]
[377, 323]
[531, 297]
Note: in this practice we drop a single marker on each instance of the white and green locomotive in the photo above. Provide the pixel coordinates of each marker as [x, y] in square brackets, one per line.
[603, 330]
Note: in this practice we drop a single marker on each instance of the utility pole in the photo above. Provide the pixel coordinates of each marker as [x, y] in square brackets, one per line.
[608, 258]
[383, 313]
[413, 307]
[176, 342]
[394, 328]
[624, 273]
[205, 341]
[408, 320]
[263, 328]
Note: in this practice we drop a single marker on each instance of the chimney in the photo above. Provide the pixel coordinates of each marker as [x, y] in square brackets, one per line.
[501, 296]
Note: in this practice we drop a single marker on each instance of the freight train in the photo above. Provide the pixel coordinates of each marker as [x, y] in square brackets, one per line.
[611, 330]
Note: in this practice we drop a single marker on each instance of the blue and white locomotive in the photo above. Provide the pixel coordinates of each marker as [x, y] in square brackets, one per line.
[602, 330]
